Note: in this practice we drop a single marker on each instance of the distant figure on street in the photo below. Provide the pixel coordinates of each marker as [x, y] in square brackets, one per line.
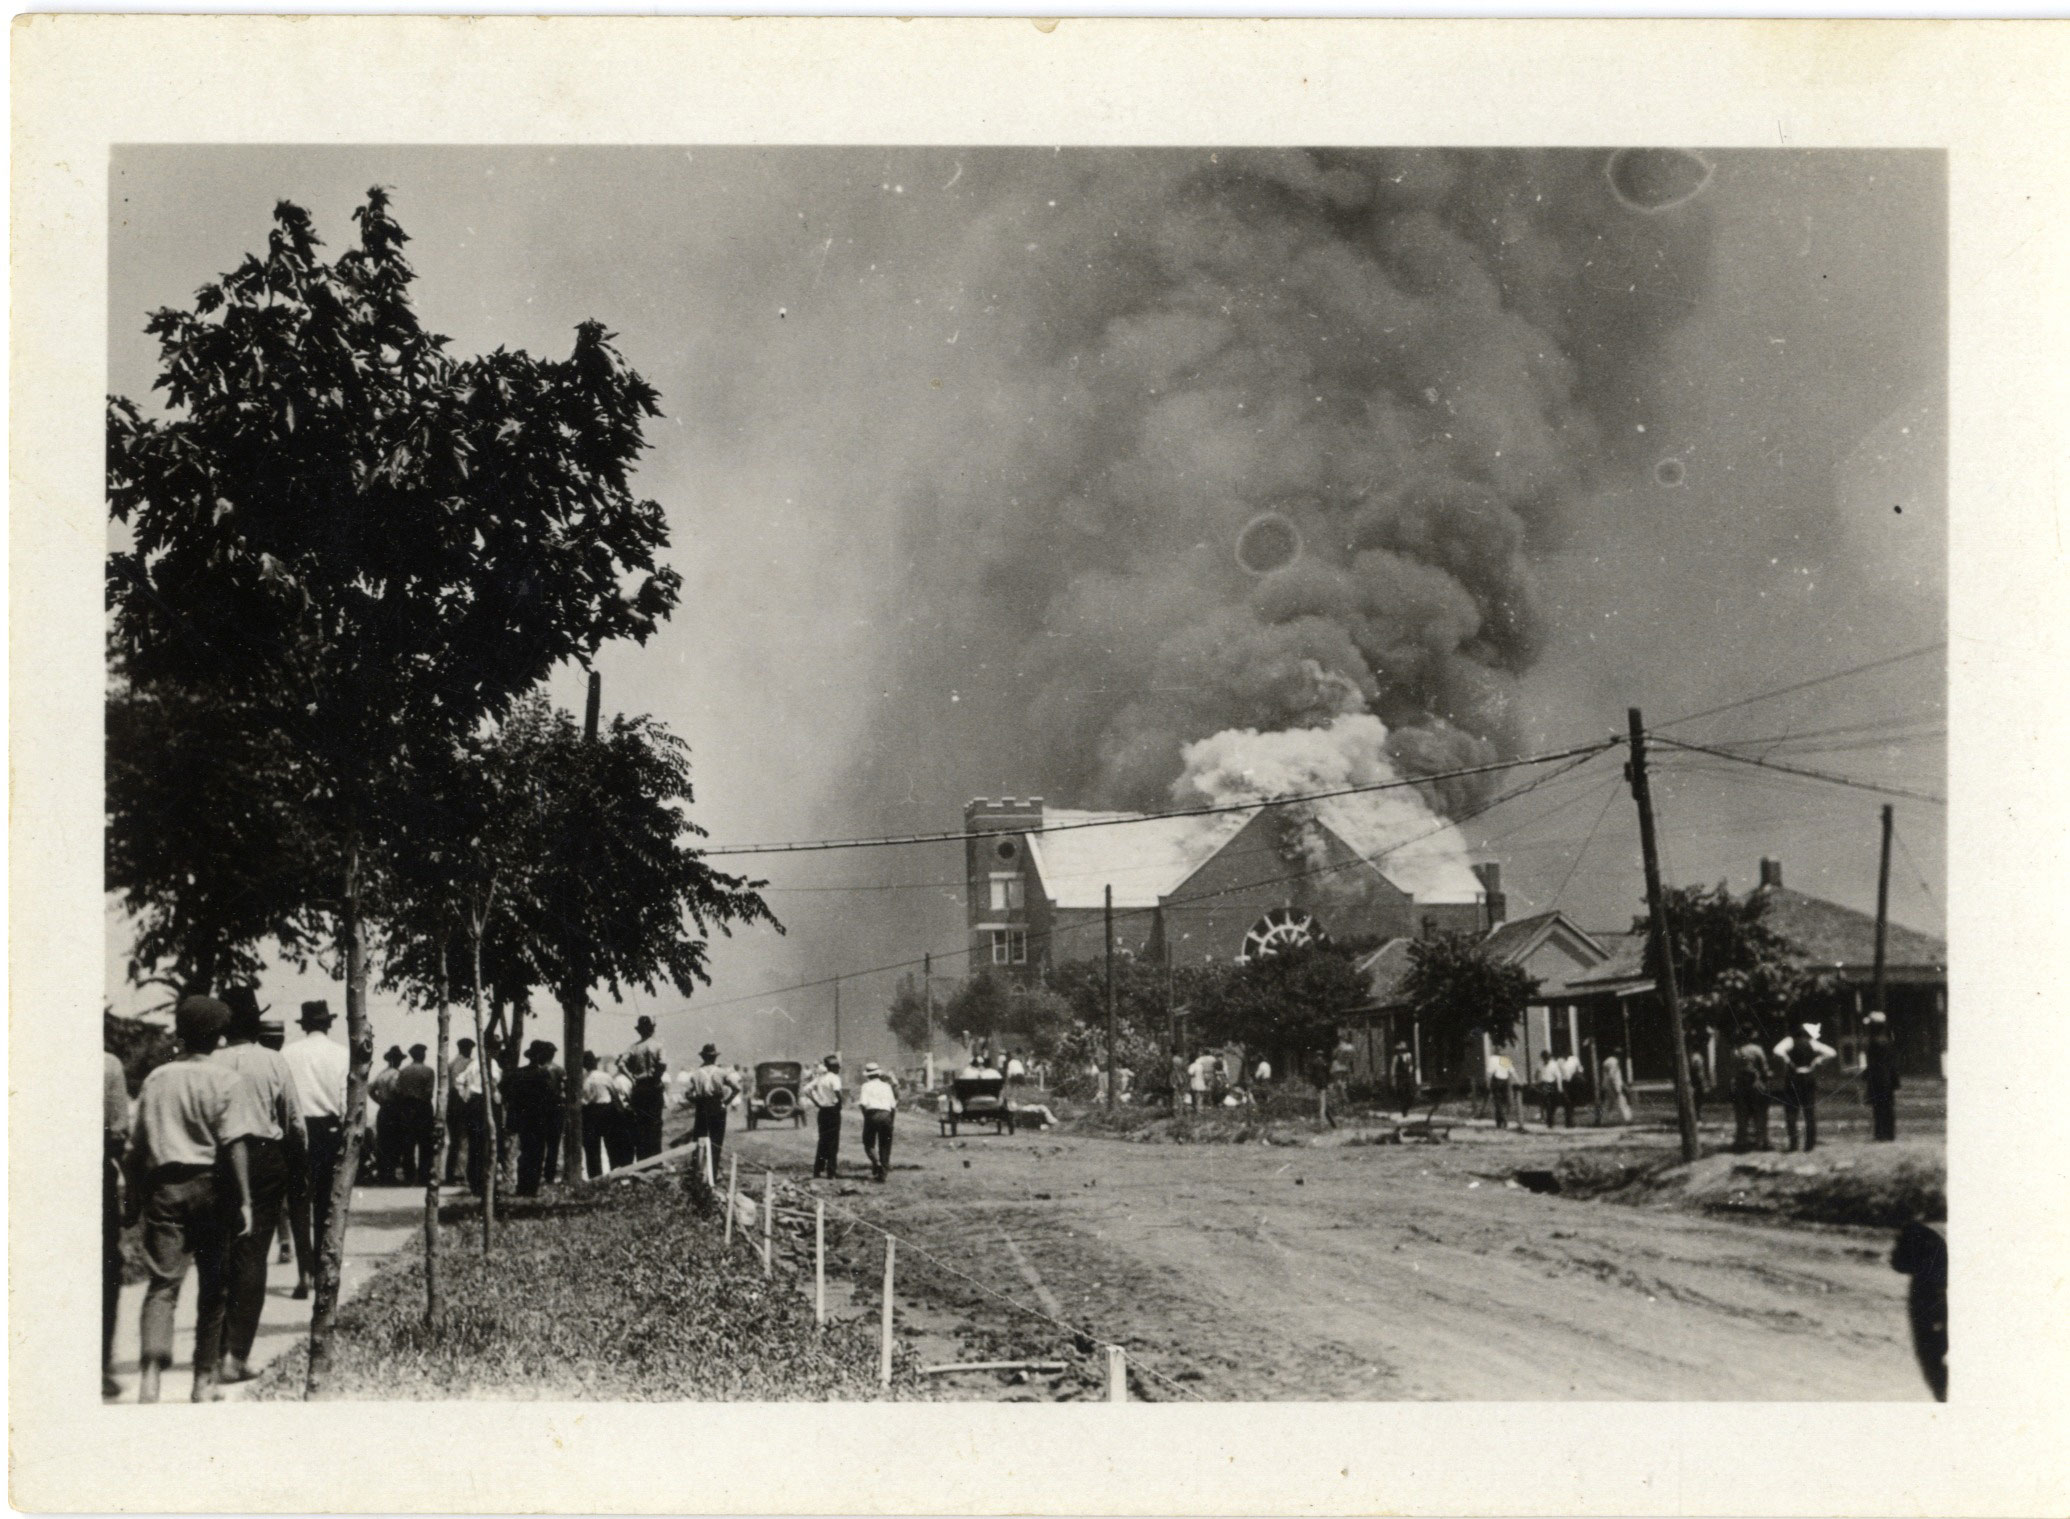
[1261, 1077]
[1016, 1069]
[1880, 1078]
[265, 1112]
[114, 1140]
[189, 1184]
[646, 1065]
[471, 1090]
[1552, 1086]
[1615, 1084]
[1750, 1094]
[618, 1137]
[878, 1100]
[1699, 1070]
[711, 1089]
[416, 1089]
[1502, 1080]
[823, 1091]
[1922, 1255]
[1198, 1082]
[1401, 1076]
[532, 1098]
[1571, 1084]
[1801, 1055]
[456, 1113]
[596, 1113]
[388, 1122]
[319, 1065]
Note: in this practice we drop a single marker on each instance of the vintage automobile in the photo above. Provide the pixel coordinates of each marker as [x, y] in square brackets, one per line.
[775, 1097]
[977, 1099]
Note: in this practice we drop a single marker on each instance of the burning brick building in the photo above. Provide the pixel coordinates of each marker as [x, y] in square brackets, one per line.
[1196, 890]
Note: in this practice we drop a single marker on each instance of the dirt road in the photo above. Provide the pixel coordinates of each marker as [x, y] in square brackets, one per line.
[1246, 1271]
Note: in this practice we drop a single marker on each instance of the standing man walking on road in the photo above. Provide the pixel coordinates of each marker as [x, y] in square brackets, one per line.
[1880, 1077]
[646, 1064]
[711, 1091]
[1614, 1085]
[416, 1089]
[388, 1121]
[1749, 1095]
[824, 1093]
[1802, 1054]
[265, 1113]
[597, 1109]
[458, 1154]
[1552, 1086]
[1401, 1075]
[532, 1097]
[878, 1100]
[318, 1064]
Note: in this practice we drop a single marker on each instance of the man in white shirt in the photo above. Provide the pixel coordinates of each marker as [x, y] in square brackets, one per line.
[823, 1091]
[318, 1064]
[878, 1100]
[1801, 1055]
[470, 1093]
[1502, 1079]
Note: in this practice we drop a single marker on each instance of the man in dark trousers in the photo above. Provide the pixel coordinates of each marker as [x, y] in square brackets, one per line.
[189, 1184]
[1749, 1095]
[457, 1132]
[532, 1098]
[598, 1109]
[1880, 1077]
[646, 1064]
[878, 1100]
[1801, 1055]
[712, 1088]
[267, 1115]
[319, 1065]
[416, 1089]
[1401, 1075]
[388, 1121]
[824, 1093]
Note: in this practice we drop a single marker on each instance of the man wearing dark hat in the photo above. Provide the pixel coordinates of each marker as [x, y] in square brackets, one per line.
[532, 1097]
[646, 1065]
[388, 1122]
[319, 1065]
[824, 1093]
[190, 1186]
[266, 1115]
[1402, 1076]
[416, 1090]
[712, 1088]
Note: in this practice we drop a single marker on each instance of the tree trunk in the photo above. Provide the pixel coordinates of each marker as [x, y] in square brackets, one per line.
[512, 1057]
[488, 1075]
[359, 1036]
[440, 1140]
[574, 1017]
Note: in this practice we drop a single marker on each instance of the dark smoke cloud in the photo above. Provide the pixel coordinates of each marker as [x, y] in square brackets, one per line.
[1419, 359]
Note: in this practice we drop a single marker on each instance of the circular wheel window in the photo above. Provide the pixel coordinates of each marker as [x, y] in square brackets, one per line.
[1006, 849]
[1282, 928]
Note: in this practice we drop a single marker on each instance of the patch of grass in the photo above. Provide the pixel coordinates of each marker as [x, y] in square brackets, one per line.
[616, 1291]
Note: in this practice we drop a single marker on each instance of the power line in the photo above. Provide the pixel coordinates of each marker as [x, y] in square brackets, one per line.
[1920, 874]
[1815, 775]
[953, 836]
[1582, 853]
[1806, 685]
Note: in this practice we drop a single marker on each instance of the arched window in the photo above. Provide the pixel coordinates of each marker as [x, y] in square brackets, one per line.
[1282, 928]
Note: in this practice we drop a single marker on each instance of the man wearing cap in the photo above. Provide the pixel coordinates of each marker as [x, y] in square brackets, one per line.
[388, 1122]
[190, 1186]
[319, 1065]
[264, 1113]
[878, 1100]
[646, 1064]
[416, 1090]
[710, 1091]
[1801, 1055]
[824, 1093]
[532, 1098]
[1880, 1078]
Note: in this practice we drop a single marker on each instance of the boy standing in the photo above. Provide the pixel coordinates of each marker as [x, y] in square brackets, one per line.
[190, 1183]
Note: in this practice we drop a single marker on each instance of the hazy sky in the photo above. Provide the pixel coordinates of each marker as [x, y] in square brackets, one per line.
[954, 440]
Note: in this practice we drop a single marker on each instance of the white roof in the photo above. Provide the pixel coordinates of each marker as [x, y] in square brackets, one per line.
[1142, 858]
[1431, 867]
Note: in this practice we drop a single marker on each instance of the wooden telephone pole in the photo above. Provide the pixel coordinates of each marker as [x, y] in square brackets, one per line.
[1112, 1095]
[575, 1010]
[1663, 950]
[837, 1015]
[1882, 912]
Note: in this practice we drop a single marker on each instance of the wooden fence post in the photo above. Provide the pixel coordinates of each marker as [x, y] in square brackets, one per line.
[819, 1261]
[768, 1222]
[732, 1196]
[890, 1259]
[1117, 1374]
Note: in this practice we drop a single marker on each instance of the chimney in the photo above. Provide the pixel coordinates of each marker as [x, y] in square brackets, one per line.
[1771, 874]
[1497, 902]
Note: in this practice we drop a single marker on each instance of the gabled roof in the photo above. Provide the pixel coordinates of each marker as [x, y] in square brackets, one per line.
[1627, 962]
[1512, 943]
[1826, 934]
[1142, 858]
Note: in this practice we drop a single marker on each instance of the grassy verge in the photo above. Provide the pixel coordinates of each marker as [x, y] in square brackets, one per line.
[617, 1291]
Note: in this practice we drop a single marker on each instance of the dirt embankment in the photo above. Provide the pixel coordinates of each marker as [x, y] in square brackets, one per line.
[1882, 1186]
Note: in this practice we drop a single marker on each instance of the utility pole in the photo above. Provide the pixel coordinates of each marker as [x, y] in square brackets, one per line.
[1685, 1097]
[575, 1009]
[837, 1015]
[1111, 1093]
[927, 992]
[1882, 912]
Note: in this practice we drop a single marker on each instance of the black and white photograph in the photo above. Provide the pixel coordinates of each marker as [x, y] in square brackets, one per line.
[1020, 774]
[767, 790]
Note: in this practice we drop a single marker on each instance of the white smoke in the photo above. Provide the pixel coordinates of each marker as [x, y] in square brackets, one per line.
[1419, 851]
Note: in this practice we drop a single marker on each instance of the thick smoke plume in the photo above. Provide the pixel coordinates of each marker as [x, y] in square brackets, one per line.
[1279, 440]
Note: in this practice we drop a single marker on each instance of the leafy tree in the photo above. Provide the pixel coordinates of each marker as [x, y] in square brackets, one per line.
[998, 1010]
[371, 546]
[1458, 993]
[1290, 1003]
[906, 1015]
[1731, 968]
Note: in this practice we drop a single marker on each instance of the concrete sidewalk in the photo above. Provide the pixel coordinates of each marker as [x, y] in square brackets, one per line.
[383, 1218]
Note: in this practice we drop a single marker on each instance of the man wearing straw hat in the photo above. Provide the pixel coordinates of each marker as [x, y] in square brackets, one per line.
[878, 1100]
[711, 1089]
[1801, 1055]
[824, 1093]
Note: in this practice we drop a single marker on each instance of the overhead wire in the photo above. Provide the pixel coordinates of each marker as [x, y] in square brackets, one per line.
[1809, 774]
[1806, 685]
